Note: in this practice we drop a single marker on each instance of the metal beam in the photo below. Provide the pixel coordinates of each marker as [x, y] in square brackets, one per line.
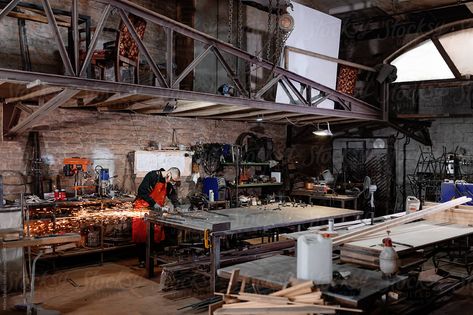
[218, 110]
[358, 105]
[191, 66]
[267, 86]
[75, 33]
[298, 94]
[143, 49]
[230, 72]
[8, 8]
[107, 87]
[169, 55]
[93, 44]
[328, 58]
[57, 35]
[49, 106]
[446, 57]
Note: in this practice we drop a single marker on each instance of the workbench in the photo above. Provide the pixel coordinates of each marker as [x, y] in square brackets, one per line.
[276, 271]
[222, 223]
[408, 241]
[311, 194]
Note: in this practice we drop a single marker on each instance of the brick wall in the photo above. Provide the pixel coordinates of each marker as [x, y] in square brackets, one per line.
[108, 137]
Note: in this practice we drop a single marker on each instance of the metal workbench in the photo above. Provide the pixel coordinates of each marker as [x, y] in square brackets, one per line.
[222, 223]
[275, 272]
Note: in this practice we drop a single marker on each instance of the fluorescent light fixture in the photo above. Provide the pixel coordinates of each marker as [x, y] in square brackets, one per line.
[323, 132]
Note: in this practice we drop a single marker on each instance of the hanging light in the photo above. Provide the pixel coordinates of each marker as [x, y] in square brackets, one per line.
[323, 132]
[286, 22]
[259, 118]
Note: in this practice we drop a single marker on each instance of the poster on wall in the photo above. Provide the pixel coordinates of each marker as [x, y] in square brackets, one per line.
[317, 32]
[146, 161]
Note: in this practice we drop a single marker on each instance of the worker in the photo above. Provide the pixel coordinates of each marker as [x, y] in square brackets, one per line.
[156, 192]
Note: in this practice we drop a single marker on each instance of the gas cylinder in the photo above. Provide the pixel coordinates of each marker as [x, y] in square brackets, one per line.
[388, 259]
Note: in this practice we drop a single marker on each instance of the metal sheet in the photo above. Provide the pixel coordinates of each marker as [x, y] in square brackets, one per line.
[242, 220]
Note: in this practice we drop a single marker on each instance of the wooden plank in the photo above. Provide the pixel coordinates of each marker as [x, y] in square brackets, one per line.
[405, 219]
[272, 309]
[213, 111]
[297, 288]
[35, 18]
[233, 280]
[215, 306]
[38, 93]
[68, 238]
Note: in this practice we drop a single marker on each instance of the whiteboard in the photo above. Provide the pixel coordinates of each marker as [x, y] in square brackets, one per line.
[146, 161]
[318, 32]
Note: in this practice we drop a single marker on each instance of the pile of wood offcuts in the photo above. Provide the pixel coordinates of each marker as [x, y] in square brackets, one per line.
[301, 298]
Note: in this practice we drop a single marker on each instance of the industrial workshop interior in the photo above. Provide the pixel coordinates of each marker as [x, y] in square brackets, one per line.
[233, 157]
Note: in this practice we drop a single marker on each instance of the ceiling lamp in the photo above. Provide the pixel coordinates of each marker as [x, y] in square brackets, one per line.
[323, 132]
[259, 118]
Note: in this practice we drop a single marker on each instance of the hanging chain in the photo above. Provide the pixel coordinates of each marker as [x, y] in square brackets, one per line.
[270, 33]
[230, 22]
[278, 42]
[240, 24]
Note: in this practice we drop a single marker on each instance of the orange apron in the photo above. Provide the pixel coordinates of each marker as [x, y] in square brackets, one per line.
[139, 226]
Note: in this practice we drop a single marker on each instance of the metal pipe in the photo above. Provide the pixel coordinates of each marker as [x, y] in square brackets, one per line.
[328, 58]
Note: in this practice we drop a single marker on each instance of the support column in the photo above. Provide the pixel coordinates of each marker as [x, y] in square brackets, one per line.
[215, 260]
[149, 242]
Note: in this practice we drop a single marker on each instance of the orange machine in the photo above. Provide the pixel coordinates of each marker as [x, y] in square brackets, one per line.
[77, 167]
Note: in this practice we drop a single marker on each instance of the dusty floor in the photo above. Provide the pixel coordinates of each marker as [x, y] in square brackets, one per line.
[113, 288]
[120, 288]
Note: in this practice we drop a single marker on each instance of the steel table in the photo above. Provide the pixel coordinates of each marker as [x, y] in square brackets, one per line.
[226, 222]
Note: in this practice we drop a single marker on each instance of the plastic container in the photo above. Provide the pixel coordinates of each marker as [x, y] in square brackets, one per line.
[412, 204]
[211, 195]
[314, 258]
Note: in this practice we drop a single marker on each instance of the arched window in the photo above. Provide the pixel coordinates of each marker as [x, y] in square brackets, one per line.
[437, 55]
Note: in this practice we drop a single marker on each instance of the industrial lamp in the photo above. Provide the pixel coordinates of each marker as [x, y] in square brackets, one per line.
[323, 132]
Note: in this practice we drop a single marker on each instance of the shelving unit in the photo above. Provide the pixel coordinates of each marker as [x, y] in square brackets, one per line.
[238, 164]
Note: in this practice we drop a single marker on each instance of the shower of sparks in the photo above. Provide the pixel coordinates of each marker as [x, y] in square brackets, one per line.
[77, 220]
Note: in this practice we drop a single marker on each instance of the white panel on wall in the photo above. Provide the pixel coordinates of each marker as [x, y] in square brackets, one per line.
[146, 161]
[317, 32]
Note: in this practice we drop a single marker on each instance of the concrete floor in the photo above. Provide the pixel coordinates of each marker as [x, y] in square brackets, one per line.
[120, 288]
[114, 288]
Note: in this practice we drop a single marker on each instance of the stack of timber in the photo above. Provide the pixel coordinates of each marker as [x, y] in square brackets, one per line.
[363, 246]
[301, 298]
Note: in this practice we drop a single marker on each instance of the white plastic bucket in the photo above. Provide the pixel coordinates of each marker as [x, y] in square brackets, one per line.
[314, 258]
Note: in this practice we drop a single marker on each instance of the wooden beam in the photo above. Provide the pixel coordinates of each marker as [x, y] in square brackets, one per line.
[49, 106]
[249, 114]
[38, 93]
